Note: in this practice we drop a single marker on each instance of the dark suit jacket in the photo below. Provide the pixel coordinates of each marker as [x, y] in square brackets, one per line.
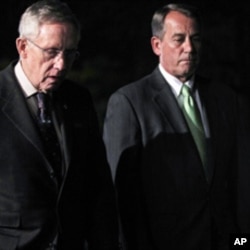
[164, 199]
[31, 203]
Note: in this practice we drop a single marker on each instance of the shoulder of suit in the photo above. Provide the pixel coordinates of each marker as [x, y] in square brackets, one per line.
[212, 87]
[8, 80]
[145, 83]
[73, 93]
[70, 86]
[7, 72]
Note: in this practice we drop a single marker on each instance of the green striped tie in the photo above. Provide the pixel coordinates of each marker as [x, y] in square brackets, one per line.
[193, 119]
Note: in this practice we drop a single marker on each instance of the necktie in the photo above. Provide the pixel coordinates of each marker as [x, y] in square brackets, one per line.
[193, 119]
[43, 109]
[49, 136]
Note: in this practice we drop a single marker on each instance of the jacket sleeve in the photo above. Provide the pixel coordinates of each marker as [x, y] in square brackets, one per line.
[122, 139]
[101, 213]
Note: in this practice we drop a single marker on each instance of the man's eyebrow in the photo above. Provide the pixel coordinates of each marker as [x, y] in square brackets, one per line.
[178, 35]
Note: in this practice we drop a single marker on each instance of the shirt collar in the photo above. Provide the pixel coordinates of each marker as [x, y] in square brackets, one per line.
[175, 83]
[24, 82]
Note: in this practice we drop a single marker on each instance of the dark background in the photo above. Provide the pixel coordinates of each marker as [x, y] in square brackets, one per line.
[115, 47]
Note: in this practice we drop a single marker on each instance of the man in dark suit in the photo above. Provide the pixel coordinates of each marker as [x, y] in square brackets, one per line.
[173, 190]
[49, 198]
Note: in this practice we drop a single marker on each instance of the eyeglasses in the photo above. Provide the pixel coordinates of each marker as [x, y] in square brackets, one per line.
[51, 53]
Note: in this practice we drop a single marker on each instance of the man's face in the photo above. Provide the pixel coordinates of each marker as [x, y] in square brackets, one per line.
[179, 48]
[47, 59]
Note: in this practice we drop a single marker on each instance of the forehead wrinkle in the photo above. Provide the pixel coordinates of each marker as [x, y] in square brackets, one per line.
[180, 23]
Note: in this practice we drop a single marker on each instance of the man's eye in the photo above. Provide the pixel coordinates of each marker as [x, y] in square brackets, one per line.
[178, 40]
[52, 52]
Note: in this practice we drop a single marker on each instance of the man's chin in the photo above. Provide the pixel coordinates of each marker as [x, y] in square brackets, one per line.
[53, 85]
[189, 71]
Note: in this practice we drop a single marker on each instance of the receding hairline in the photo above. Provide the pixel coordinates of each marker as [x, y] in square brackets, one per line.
[159, 17]
[46, 12]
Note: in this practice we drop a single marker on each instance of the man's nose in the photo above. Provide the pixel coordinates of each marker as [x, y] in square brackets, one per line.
[188, 45]
[60, 61]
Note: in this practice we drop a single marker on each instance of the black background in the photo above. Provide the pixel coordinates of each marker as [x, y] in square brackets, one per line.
[115, 47]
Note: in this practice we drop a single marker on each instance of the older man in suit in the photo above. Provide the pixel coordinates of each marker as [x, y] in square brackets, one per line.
[56, 190]
[170, 140]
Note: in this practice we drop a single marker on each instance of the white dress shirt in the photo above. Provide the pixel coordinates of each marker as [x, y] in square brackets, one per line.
[176, 85]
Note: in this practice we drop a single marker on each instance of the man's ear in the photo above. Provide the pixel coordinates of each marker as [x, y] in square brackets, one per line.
[156, 45]
[21, 45]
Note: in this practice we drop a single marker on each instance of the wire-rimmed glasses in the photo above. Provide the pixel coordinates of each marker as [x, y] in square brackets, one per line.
[52, 53]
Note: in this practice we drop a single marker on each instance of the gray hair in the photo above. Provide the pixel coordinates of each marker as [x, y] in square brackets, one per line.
[157, 24]
[46, 11]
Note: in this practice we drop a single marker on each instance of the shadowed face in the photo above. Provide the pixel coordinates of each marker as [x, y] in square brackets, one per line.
[47, 59]
[179, 48]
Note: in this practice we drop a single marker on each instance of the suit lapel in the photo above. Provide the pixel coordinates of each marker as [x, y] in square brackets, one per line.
[211, 107]
[16, 110]
[63, 128]
[61, 118]
[170, 108]
[167, 103]
[210, 104]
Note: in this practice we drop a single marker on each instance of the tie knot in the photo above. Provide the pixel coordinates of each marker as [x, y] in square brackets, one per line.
[185, 90]
[42, 100]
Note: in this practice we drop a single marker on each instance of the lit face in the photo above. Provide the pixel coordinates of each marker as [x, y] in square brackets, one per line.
[179, 48]
[40, 60]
